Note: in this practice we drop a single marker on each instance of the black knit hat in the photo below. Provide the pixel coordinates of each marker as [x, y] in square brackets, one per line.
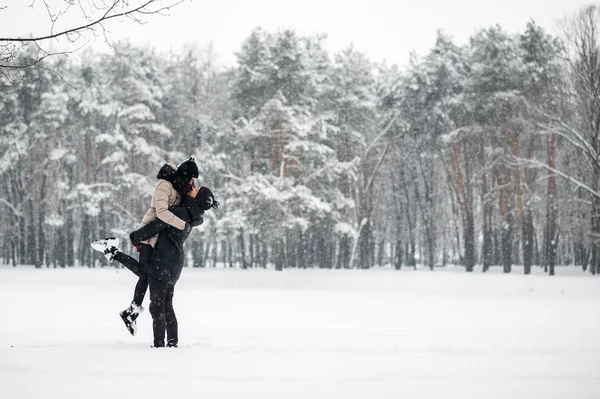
[188, 169]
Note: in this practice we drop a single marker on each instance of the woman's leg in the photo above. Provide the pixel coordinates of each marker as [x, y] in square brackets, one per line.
[127, 261]
[134, 310]
[140, 290]
[172, 327]
[145, 253]
[142, 285]
[158, 296]
[137, 267]
[130, 314]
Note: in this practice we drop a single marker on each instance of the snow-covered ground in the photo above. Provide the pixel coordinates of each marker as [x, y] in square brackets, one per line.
[304, 334]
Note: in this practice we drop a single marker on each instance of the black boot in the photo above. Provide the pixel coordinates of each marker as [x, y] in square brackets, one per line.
[129, 317]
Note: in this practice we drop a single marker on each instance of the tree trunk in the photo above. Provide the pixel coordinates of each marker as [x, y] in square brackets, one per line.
[410, 254]
[595, 227]
[486, 250]
[279, 254]
[22, 250]
[321, 250]
[41, 219]
[505, 212]
[398, 254]
[84, 239]
[242, 245]
[550, 233]
[251, 250]
[214, 252]
[424, 208]
[70, 236]
[380, 254]
[506, 246]
[527, 241]
[345, 248]
[198, 251]
[469, 236]
[264, 255]
[14, 253]
[364, 239]
[61, 247]
[463, 187]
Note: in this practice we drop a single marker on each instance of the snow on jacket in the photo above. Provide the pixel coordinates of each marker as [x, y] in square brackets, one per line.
[164, 196]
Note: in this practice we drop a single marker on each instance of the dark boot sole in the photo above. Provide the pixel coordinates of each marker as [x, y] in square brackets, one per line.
[127, 323]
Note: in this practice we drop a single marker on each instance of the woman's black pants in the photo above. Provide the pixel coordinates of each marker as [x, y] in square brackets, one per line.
[137, 267]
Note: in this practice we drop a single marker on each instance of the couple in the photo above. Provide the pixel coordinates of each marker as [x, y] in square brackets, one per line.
[176, 206]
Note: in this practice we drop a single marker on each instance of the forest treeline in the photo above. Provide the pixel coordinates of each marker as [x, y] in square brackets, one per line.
[485, 153]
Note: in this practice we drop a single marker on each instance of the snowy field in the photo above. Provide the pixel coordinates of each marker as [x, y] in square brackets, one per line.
[304, 334]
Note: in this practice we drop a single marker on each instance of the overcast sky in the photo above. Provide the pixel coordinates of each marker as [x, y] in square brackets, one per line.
[384, 29]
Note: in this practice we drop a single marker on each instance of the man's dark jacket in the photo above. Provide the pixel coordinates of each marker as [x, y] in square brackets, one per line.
[167, 258]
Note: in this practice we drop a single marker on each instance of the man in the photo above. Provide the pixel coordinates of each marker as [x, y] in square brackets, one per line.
[173, 184]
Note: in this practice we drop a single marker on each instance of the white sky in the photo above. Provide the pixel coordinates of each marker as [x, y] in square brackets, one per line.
[384, 29]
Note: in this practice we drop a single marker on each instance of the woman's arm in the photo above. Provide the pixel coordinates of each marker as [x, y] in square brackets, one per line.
[161, 203]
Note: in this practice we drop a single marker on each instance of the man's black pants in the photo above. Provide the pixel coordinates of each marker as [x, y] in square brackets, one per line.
[163, 315]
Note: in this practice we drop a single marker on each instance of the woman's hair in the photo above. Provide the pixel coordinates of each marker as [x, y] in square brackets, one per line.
[181, 184]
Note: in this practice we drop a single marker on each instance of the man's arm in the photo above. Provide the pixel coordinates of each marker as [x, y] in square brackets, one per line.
[188, 212]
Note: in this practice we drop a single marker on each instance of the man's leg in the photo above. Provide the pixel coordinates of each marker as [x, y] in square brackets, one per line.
[172, 327]
[158, 295]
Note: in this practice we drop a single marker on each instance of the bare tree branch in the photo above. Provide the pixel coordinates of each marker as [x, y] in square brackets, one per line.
[110, 10]
[11, 207]
[573, 138]
[380, 135]
[578, 184]
[105, 17]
